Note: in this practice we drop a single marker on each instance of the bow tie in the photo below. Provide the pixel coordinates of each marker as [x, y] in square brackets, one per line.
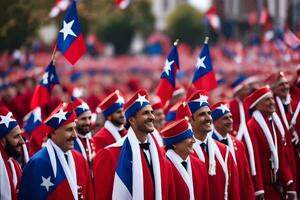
[145, 146]
[184, 164]
[203, 146]
[224, 141]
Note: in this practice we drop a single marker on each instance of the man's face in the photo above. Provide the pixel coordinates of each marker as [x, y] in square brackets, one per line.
[224, 124]
[117, 117]
[201, 120]
[13, 144]
[281, 88]
[185, 147]
[143, 120]
[266, 105]
[159, 118]
[64, 136]
[84, 123]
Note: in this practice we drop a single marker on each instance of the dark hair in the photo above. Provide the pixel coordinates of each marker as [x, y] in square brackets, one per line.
[169, 147]
[127, 124]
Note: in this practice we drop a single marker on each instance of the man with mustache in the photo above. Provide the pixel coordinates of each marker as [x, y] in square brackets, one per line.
[11, 143]
[113, 130]
[84, 142]
[57, 171]
[133, 167]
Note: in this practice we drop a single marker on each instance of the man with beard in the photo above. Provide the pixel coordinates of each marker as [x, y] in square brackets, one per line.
[11, 143]
[134, 167]
[113, 130]
[273, 179]
[84, 142]
[222, 172]
[57, 171]
[223, 122]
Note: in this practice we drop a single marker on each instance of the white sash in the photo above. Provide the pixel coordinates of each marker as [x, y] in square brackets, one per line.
[185, 174]
[81, 147]
[5, 190]
[158, 138]
[113, 130]
[272, 145]
[69, 169]
[243, 132]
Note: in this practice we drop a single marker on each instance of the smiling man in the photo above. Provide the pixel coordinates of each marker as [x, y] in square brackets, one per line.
[133, 168]
[190, 176]
[57, 171]
[10, 149]
[223, 125]
[84, 142]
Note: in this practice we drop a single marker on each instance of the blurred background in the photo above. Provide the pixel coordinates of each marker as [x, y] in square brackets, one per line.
[127, 46]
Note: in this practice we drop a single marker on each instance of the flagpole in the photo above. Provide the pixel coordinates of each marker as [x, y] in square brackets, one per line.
[206, 40]
[53, 57]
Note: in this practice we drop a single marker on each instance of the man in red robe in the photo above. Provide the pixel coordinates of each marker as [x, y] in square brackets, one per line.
[222, 120]
[113, 130]
[273, 178]
[222, 171]
[189, 173]
[134, 167]
[10, 149]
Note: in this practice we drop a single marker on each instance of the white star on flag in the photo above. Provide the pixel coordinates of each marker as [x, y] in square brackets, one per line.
[46, 183]
[45, 78]
[200, 62]
[7, 119]
[224, 108]
[67, 29]
[60, 115]
[201, 99]
[120, 99]
[84, 106]
[37, 114]
[167, 66]
[141, 99]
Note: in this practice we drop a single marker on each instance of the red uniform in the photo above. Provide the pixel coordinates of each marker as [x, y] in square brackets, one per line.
[197, 176]
[223, 177]
[107, 135]
[265, 141]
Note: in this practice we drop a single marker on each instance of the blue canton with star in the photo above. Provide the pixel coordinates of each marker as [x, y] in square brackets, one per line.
[70, 29]
[50, 77]
[171, 66]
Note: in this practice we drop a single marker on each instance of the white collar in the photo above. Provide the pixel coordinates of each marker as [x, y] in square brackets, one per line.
[219, 136]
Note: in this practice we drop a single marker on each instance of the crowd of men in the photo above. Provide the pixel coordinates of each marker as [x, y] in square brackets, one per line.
[246, 147]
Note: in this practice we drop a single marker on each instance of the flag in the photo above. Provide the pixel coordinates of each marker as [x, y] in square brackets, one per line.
[291, 40]
[213, 18]
[123, 181]
[204, 75]
[42, 92]
[123, 4]
[58, 7]
[70, 40]
[167, 84]
[32, 120]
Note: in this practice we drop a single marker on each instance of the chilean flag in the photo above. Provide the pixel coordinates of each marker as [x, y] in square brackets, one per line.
[70, 40]
[58, 7]
[167, 84]
[204, 75]
[42, 92]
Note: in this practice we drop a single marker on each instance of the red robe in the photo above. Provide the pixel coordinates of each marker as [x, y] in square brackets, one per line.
[104, 167]
[262, 152]
[246, 186]
[200, 181]
[217, 182]
[235, 111]
[104, 138]
[90, 154]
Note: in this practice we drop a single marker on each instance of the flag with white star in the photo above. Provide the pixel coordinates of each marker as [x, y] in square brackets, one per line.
[167, 84]
[7, 121]
[204, 75]
[70, 40]
[42, 91]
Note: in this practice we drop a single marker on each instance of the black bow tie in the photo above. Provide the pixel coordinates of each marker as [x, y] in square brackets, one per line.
[145, 146]
[203, 146]
[224, 141]
[184, 164]
[120, 131]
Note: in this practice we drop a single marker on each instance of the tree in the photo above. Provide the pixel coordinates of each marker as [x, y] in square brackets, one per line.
[185, 23]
